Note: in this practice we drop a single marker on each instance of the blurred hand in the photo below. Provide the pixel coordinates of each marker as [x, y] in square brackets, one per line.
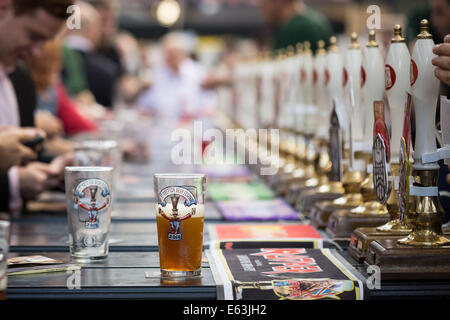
[36, 178]
[58, 146]
[49, 123]
[59, 163]
[442, 61]
[130, 87]
[12, 150]
[85, 98]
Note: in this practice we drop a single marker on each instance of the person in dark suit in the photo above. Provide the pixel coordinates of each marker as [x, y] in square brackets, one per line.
[25, 95]
[24, 26]
[101, 76]
[101, 73]
[108, 11]
[37, 176]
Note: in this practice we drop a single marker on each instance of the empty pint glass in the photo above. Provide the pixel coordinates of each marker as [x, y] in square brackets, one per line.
[180, 205]
[4, 239]
[89, 201]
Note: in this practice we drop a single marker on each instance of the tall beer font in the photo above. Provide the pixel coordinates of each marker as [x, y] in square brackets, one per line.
[325, 186]
[425, 252]
[398, 84]
[426, 212]
[351, 180]
[372, 89]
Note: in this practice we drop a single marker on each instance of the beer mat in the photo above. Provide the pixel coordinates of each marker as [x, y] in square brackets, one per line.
[258, 210]
[225, 172]
[263, 232]
[32, 260]
[239, 191]
[157, 275]
[35, 269]
[37, 264]
[284, 274]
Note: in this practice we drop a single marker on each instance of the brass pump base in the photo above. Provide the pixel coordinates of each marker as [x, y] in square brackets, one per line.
[361, 238]
[395, 227]
[342, 223]
[302, 175]
[425, 252]
[426, 215]
[424, 240]
[321, 211]
[306, 199]
[370, 213]
[397, 261]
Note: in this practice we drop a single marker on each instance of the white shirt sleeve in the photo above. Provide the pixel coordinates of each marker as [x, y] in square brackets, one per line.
[15, 201]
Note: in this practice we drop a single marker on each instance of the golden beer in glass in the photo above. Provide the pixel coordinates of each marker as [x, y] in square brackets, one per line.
[180, 219]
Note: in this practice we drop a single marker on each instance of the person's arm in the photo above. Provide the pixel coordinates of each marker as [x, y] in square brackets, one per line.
[442, 61]
[26, 100]
[73, 121]
[15, 199]
[36, 178]
[13, 152]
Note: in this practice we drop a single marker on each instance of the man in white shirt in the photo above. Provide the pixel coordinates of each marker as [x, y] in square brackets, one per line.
[177, 83]
[24, 28]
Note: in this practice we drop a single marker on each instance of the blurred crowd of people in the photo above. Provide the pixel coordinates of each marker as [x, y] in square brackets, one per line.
[56, 82]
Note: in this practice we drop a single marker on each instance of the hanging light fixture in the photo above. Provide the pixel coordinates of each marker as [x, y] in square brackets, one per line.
[168, 12]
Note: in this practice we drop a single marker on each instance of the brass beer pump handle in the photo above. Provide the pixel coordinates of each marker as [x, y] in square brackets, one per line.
[424, 30]
[426, 214]
[398, 36]
[321, 48]
[354, 41]
[333, 47]
[307, 46]
[372, 40]
[299, 48]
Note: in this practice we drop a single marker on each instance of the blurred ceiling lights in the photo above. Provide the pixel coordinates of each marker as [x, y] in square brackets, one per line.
[168, 12]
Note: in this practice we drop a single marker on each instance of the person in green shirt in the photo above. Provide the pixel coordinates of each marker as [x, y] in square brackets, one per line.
[73, 75]
[293, 22]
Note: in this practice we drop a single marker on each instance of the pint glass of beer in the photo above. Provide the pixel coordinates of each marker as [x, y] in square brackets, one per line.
[89, 201]
[4, 239]
[180, 205]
